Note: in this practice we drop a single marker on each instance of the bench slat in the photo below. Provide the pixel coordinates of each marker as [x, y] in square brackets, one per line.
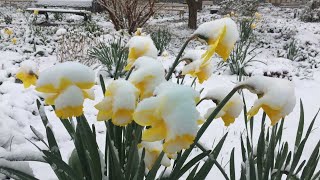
[59, 10]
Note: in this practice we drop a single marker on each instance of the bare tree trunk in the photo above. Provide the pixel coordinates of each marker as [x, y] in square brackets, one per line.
[193, 7]
[199, 4]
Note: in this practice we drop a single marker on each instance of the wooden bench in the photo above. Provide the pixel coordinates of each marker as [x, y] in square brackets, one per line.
[45, 11]
[181, 8]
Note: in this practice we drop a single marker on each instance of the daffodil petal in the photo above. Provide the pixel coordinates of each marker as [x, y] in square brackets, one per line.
[180, 142]
[155, 133]
[122, 117]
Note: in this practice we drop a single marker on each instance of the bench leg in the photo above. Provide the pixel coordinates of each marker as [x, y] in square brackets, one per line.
[47, 16]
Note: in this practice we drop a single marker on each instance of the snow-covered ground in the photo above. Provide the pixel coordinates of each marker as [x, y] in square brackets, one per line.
[277, 28]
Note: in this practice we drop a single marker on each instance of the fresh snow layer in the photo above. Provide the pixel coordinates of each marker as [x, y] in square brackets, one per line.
[68, 3]
[73, 71]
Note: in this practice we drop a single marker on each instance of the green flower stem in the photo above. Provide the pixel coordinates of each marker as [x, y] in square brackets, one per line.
[201, 101]
[129, 73]
[176, 61]
[193, 82]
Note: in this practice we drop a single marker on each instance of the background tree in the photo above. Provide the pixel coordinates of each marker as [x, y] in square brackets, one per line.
[193, 7]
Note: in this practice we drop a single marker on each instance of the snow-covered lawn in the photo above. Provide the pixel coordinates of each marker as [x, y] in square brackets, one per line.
[18, 110]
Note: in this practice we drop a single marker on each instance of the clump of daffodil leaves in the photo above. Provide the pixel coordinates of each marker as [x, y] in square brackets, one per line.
[152, 123]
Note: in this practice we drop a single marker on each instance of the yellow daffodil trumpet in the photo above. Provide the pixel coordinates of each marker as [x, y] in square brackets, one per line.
[196, 66]
[220, 35]
[119, 103]
[66, 85]
[28, 73]
[231, 110]
[152, 152]
[147, 75]
[172, 116]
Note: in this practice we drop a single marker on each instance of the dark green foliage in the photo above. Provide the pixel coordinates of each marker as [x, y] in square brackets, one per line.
[239, 58]
[112, 55]
[161, 39]
[273, 157]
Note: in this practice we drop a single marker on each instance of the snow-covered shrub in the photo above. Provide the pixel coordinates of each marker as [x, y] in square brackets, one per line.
[240, 7]
[92, 28]
[292, 50]
[111, 54]
[161, 39]
[7, 18]
[58, 16]
[74, 45]
[311, 12]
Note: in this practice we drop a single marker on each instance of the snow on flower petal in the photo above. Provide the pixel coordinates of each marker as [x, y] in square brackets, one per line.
[119, 103]
[152, 152]
[148, 74]
[275, 96]
[28, 73]
[60, 76]
[69, 103]
[140, 46]
[172, 115]
[221, 35]
[198, 67]
[63, 80]
[231, 110]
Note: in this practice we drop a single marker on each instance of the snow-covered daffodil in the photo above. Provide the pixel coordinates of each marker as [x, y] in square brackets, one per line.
[36, 12]
[221, 35]
[231, 110]
[8, 31]
[147, 75]
[140, 46]
[119, 103]
[197, 66]
[257, 15]
[152, 152]
[172, 115]
[253, 25]
[69, 102]
[275, 96]
[28, 73]
[14, 40]
[60, 80]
